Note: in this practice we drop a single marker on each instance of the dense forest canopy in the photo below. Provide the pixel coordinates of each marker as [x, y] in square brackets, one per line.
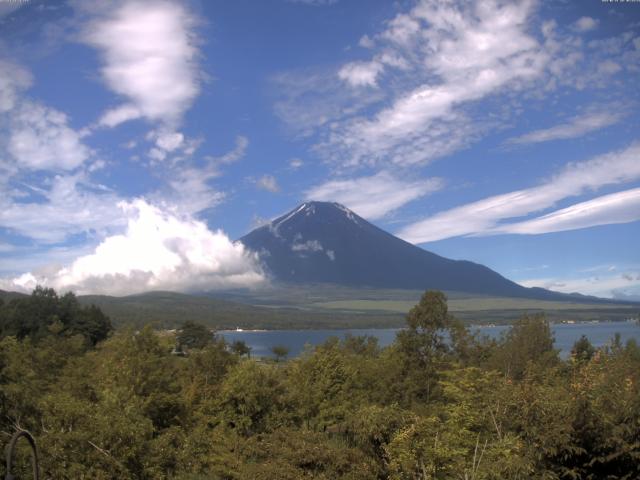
[45, 313]
[121, 405]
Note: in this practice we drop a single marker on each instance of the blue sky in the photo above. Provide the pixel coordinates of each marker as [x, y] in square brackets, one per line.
[139, 139]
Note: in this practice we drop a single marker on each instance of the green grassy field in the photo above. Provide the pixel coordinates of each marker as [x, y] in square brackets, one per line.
[329, 306]
[458, 305]
[358, 303]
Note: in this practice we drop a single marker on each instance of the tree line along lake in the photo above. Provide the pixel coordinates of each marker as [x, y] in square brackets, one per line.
[565, 335]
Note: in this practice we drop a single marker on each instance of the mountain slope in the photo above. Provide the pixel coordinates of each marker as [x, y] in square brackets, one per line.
[322, 242]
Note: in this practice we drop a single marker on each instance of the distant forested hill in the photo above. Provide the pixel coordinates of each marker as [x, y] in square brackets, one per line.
[170, 309]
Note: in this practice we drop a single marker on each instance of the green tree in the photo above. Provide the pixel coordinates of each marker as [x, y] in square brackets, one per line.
[91, 323]
[280, 352]
[366, 345]
[252, 398]
[605, 436]
[527, 343]
[194, 335]
[422, 345]
[240, 348]
[582, 350]
[44, 313]
[322, 385]
[203, 372]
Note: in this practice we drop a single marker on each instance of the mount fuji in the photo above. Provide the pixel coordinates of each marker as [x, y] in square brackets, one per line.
[323, 242]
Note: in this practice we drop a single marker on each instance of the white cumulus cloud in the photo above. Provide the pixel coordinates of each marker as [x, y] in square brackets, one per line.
[158, 251]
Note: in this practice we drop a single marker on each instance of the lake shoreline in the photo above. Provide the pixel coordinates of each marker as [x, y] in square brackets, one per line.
[378, 327]
[261, 341]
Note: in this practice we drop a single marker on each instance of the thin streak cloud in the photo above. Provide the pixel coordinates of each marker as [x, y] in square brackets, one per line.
[375, 196]
[486, 216]
[620, 207]
[574, 128]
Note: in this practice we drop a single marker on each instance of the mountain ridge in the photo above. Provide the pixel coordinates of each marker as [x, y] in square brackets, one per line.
[325, 242]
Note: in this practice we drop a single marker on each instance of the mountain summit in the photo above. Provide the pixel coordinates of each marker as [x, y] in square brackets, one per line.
[323, 242]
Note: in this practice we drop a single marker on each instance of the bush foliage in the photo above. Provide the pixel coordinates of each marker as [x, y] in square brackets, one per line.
[439, 403]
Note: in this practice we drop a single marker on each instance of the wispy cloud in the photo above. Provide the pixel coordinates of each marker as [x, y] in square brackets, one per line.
[6, 247]
[584, 24]
[190, 185]
[575, 127]
[623, 286]
[375, 196]
[361, 73]
[308, 246]
[13, 80]
[295, 163]
[69, 205]
[419, 90]
[485, 216]
[582, 65]
[38, 137]
[444, 57]
[48, 196]
[149, 53]
[45, 191]
[239, 151]
[41, 259]
[309, 99]
[7, 8]
[315, 3]
[268, 183]
[191, 190]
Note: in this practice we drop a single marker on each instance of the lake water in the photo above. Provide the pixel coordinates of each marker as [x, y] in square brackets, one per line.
[261, 342]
